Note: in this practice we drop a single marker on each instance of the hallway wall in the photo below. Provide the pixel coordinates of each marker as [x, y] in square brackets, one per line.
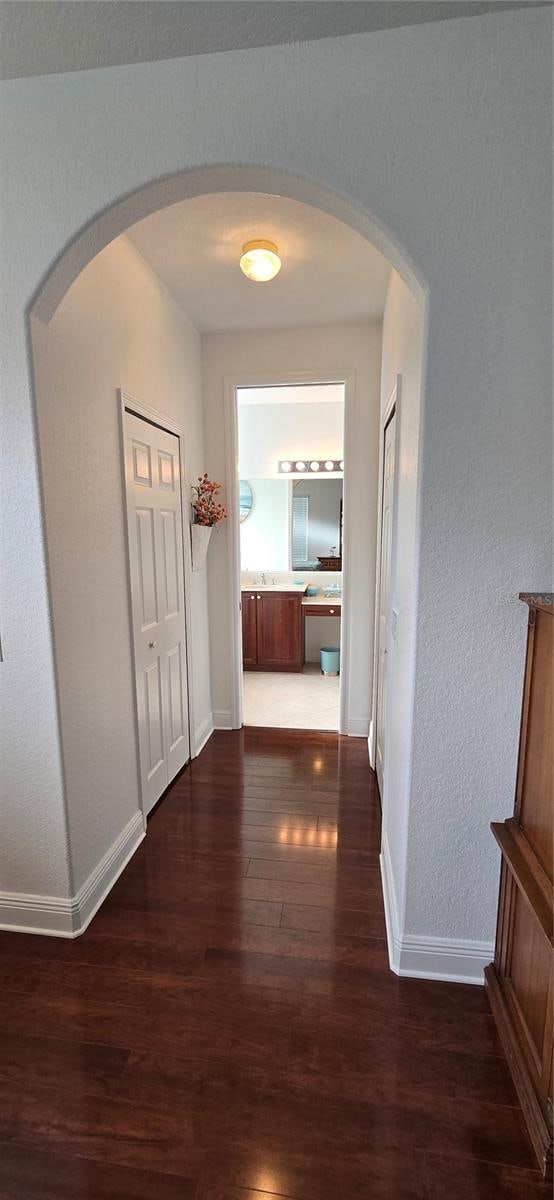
[117, 327]
[263, 354]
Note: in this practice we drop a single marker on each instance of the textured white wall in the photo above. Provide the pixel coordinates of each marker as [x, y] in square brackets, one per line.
[402, 354]
[117, 327]
[442, 135]
[333, 348]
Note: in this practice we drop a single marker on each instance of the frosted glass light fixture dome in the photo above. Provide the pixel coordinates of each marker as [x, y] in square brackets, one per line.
[260, 260]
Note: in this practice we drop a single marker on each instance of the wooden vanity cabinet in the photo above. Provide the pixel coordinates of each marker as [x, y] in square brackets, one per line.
[272, 631]
[249, 630]
[520, 981]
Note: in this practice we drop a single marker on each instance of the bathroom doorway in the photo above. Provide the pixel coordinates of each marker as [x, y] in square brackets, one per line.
[290, 500]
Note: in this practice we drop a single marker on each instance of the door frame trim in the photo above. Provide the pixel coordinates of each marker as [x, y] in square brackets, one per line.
[263, 378]
[128, 403]
[392, 408]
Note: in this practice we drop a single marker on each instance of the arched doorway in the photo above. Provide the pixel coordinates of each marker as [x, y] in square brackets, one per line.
[80, 255]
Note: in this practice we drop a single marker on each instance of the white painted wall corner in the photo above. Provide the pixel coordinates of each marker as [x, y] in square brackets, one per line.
[61, 917]
[203, 734]
[415, 956]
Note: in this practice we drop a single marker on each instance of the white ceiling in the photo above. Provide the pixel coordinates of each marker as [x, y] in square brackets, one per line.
[44, 37]
[330, 274]
[302, 393]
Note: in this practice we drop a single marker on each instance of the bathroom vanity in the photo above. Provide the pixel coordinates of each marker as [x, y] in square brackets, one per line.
[272, 629]
[273, 625]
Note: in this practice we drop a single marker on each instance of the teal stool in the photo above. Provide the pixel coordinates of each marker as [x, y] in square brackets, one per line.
[330, 660]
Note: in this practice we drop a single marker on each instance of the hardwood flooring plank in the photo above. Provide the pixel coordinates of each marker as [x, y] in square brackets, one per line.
[228, 1027]
[85, 1126]
[26, 1172]
[353, 922]
[478, 1180]
[366, 1060]
[77, 1066]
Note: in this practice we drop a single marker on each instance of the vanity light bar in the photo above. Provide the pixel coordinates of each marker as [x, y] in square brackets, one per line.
[310, 466]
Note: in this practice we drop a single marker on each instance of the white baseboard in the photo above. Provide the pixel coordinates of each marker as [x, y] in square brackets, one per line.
[357, 727]
[452, 960]
[449, 959]
[61, 917]
[203, 734]
[222, 719]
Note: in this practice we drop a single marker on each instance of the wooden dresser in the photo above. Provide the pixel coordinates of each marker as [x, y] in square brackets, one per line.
[519, 982]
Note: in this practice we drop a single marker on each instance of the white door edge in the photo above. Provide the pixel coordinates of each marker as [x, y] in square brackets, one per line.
[128, 403]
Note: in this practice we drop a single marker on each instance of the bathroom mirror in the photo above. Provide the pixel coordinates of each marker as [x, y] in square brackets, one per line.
[246, 499]
[295, 525]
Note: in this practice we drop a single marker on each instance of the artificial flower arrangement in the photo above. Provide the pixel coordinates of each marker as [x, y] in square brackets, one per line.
[205, 505]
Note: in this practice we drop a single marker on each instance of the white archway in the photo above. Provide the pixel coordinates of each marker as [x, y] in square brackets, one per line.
[198, 181]
[106, 228]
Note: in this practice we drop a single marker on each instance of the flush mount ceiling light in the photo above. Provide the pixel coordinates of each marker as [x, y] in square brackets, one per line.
[260, 260]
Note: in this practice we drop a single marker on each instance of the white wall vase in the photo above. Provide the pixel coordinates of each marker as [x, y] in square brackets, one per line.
[199, 540]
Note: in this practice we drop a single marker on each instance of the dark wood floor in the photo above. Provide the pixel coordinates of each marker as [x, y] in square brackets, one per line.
[228, 1027]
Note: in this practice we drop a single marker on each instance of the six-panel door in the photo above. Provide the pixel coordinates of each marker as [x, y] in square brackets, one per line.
[153, 487]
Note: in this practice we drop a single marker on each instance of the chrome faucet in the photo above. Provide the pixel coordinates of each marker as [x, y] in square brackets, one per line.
[263, 579]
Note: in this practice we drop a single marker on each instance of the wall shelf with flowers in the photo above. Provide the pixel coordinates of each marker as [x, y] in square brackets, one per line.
[207, 512]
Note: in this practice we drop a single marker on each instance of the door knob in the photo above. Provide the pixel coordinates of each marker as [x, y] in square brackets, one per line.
[151, 645]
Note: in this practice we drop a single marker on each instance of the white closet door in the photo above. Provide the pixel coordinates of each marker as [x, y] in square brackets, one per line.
[385, 594]
[154, 515]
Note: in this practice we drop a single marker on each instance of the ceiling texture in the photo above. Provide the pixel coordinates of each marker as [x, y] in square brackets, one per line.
[330, 273]
[46, 37]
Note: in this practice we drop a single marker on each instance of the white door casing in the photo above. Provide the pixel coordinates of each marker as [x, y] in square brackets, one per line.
[155, 538]
[232, 384]
[384, 604]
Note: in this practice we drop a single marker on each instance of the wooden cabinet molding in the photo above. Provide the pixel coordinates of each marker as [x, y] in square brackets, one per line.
[519, 982]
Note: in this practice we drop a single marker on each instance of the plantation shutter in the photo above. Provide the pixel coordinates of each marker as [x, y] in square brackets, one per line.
[299, 541]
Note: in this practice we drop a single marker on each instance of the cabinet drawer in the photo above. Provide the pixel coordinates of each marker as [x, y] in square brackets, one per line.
[322, 610]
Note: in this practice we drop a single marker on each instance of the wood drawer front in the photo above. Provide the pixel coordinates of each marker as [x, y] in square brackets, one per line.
[322, 610]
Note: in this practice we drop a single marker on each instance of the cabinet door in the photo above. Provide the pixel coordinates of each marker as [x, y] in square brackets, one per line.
[280, 642]
[249, 630]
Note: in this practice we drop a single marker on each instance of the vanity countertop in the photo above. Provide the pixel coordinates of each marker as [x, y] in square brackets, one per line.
[273, 587]
[324, 601]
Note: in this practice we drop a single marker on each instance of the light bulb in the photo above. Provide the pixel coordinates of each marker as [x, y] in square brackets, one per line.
[260, 261]
[300, 466]
[329, 466]
[314, 466]
[285, 466]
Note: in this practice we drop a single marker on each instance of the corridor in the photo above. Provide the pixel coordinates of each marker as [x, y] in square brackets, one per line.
[228, 1027]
